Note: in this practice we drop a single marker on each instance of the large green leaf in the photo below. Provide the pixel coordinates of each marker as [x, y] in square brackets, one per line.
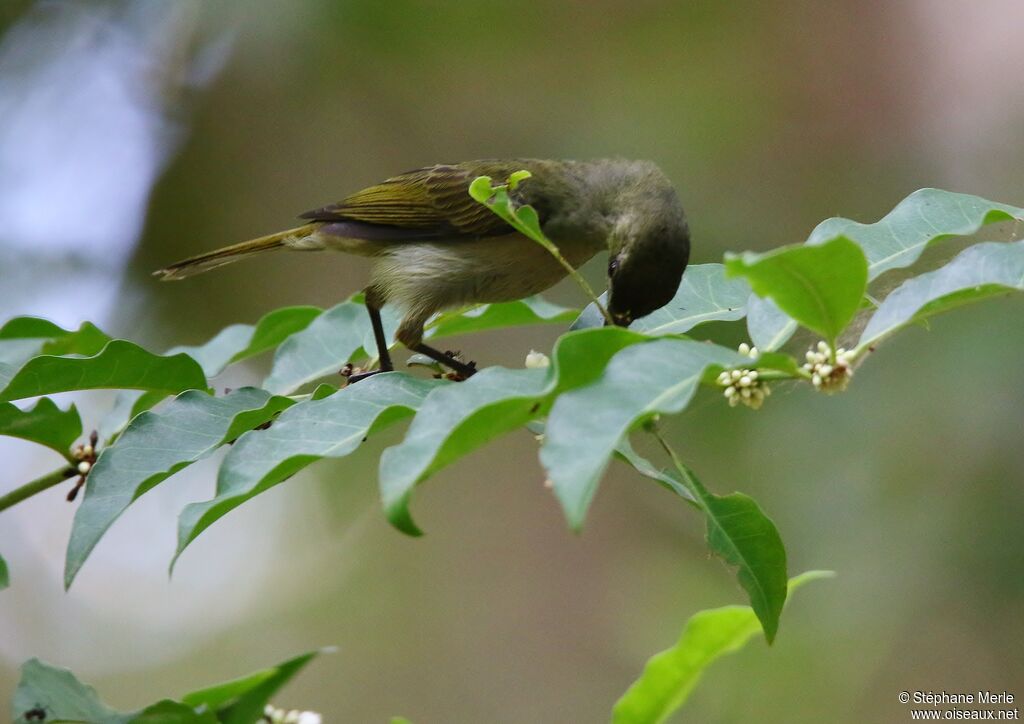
[704, 295]
[172, 712]
[900, 237]
[119, 365]
[821, 287]
[981, 271]
[241, 341]
[457, 419]
[768, 326]
[587, 424]
[743, 536]
[22, 338]
[60, 696]
[532, 310]
[332, 427]
[154, 446]
[670, 676]
[242, 701]
[45, 424]
[321, 349]
[127, 404]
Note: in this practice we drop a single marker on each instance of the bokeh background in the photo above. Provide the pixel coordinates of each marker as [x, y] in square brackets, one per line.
[133, 133]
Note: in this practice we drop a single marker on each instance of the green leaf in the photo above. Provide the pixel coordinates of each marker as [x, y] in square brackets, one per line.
[742, 535]
[821, 287]
[521, 218]
[25, 337]
[532, 310]
[45, 424]
[321, 349]
[60, 696]
[768, 326]
[624, 451]
[127, 404]
[670, 676]
[704, 295]
[154, 446]
[895, 241]
[120, 365]
[927, 215]
[241, 341]
[242, 701]
[978, 272]
[587, 424]
[5, 576]
[457, 419]
[172, 712]
[311, 430]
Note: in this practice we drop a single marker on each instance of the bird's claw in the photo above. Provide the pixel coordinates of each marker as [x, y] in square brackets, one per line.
[353, 374]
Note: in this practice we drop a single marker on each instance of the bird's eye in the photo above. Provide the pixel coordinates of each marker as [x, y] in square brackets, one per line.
[613, 266]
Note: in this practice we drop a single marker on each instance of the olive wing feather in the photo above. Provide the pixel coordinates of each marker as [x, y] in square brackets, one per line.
[427, 203]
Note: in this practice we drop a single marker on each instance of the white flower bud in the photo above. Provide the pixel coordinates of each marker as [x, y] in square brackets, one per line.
[537, 360]
[84, 467]
[744, 348]
[730, 391]
[736, 374]
[745, 381]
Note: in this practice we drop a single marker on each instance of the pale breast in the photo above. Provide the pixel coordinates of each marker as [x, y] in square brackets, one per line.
[430, 276]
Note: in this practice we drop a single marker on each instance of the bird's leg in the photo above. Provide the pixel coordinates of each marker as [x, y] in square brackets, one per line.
[383, 355]
[465, 369]
[378, 334]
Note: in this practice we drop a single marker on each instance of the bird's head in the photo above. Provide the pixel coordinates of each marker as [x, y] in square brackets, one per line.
[649, 245]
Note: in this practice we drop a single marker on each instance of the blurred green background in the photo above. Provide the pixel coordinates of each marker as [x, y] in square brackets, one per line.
[768, 116]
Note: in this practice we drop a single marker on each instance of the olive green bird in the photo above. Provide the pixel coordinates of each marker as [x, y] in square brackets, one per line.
[436, 248]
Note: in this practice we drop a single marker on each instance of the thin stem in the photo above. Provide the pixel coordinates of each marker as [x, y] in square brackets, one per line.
[36, 486]
[578, 278]
[671, 453]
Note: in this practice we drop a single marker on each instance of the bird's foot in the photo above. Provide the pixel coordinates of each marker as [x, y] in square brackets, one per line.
[459, 370]
[353, 374]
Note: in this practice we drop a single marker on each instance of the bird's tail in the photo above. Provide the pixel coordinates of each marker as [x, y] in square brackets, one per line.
[227, 255]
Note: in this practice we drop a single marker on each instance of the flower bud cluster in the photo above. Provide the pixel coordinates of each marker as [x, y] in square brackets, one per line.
[744, 385]
[829, 375]
[274, 715]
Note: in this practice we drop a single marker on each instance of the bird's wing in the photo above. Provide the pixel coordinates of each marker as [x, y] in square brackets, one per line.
[428, 203]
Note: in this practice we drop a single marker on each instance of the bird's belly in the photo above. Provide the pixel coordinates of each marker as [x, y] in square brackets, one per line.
[428, 276]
